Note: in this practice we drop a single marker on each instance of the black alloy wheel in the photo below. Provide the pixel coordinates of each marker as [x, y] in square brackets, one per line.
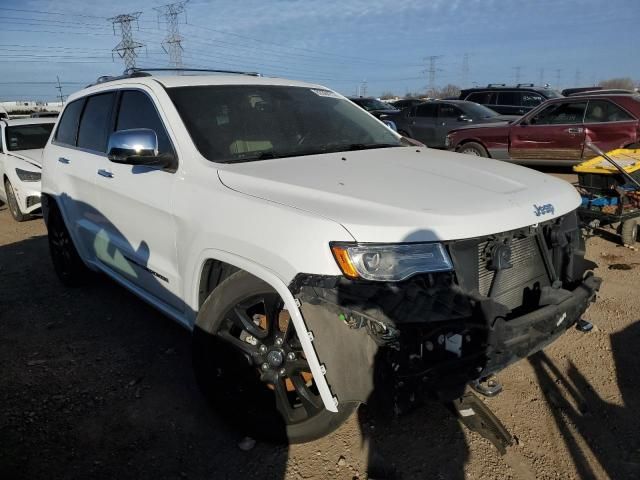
[252, 368]
[67, 264]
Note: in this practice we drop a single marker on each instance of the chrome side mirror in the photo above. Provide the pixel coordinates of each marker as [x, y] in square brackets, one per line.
[127, 145]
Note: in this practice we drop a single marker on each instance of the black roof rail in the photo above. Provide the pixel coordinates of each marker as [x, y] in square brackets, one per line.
[144, 72]
[525, 85]
[497, 85]
[111, 78]
[134, 71]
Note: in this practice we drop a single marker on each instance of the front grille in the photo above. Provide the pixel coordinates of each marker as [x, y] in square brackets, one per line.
[33, 200]
[516, 285]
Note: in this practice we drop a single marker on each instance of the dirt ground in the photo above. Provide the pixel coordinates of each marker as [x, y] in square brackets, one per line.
[96, 384]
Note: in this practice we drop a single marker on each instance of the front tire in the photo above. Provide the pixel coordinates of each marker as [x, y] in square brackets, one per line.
[473, 148]
[14, 206]
[251, 367]
[67, 263]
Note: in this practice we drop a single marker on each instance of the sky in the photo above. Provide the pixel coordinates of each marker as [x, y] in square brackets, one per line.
[380, 45]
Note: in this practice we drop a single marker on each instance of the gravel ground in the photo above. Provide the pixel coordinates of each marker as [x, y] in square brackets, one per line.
[96, 384]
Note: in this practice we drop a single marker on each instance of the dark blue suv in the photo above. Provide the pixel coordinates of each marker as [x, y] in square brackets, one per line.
[515, 100]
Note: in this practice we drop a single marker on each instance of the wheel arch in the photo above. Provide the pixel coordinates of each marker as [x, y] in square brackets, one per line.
[48, 202]
[473, 140]
[214, 264]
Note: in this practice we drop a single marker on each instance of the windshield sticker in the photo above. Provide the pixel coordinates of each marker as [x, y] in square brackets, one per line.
[324, 93]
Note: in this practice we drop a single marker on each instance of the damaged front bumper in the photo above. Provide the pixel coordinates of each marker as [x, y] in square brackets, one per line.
[435, 333]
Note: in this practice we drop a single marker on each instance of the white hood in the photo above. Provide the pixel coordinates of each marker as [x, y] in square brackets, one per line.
[33, 156]
[407, 194]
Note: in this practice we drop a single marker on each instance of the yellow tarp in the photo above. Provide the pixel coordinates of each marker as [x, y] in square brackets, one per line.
[629, 160]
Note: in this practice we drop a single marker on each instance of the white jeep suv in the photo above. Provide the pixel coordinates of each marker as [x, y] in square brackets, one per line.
[315, 254]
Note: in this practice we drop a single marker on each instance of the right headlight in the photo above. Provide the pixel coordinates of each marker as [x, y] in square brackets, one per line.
[390, 262]
[28, 176]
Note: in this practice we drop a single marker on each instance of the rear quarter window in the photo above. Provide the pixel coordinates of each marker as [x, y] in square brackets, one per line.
[68, 125]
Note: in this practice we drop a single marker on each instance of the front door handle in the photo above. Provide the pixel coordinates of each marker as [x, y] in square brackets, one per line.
[105, 173]
[574, 130]
[66, 161]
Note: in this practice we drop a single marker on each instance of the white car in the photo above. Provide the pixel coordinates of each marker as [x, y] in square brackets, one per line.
[315, 255]
[21, 144]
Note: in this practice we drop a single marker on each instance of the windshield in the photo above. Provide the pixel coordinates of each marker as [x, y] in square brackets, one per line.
[480, 111]
[28, 137]
[370, 104]
[235, 123]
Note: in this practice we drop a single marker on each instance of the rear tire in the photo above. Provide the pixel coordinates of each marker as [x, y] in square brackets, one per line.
[473, 148]
[629, 232]
[255, 393]
[67, 263]
[12, 202]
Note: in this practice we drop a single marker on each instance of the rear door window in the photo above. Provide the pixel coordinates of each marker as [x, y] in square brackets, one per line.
[483, 98]
[138, 111]
[449, 112]
[509, 98]
[426, 110]
[95, 124]
[600, 111]
[68, 124]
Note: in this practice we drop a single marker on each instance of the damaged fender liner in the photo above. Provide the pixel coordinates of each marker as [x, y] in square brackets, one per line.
[409, 339]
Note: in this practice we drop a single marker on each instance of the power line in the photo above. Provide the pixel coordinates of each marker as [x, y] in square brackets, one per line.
[127, 47]
[50, 12]
[289, 47]
[172, 43]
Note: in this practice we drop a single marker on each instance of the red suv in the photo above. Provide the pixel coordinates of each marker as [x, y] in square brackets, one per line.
[556, 131]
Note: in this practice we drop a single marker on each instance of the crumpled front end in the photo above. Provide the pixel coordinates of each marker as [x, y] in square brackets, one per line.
[510, 295]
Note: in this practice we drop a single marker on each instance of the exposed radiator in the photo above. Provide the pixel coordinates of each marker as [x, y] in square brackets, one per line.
[526, 276]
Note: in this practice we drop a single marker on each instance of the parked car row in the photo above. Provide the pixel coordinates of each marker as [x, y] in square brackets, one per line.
[431, 121]
[553, 130]
[315, 254]
[556, 131]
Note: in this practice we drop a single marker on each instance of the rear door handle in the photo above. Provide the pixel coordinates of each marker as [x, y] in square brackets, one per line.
[66, 161]
[105, 173]
[574, 130]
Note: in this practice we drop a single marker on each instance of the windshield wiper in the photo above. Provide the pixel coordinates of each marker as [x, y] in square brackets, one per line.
[316, 151]
[261, 156]
[368, 146]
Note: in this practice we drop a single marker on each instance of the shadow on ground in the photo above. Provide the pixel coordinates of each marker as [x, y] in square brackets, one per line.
[584, 418]
[97, 384]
